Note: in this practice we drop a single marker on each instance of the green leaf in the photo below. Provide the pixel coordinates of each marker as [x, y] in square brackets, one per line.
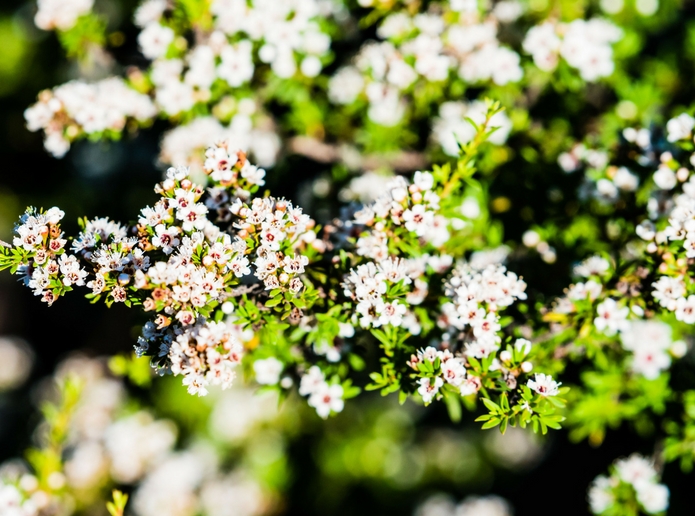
[491, 405]
[453, 406]
[492, 423]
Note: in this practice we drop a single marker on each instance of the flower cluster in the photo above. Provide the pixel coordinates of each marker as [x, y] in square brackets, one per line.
[110, 444]
[280, 36]
[601, 182]
[375, 288]
[40, 255]
[205, 354]
[78, 108]
[426, 47]
[213, 263]
[448, 368]
[204, 62]
[325, 397]
[437, 368]
[405, 211]
[584, 45]
[474, 299]
[286, 34]
[652, 347]
[177, 262]
[13, 500]
[639, 476]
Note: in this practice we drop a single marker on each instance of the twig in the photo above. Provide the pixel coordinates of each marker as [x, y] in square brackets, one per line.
[402, 161]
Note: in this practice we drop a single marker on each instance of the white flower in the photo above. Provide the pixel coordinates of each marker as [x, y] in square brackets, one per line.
[680, 127]
[268, 371]
[601, 495]
[685, 309]
[581, 291]
[646, 230]
[60, 14]
[155, 39]
[626, 180]
[237, 63]
[667, 291]
[665, 178]
[635, 469]
[592, 266]
[454, 372]
[611, 318]
[149, 11]
[650, 362]
[523, 346]
[653, 497]
[391, 313]
[326, 399]
[544, 385]
[650, 342]
[311, 381]
[345, 85]
[428, 388]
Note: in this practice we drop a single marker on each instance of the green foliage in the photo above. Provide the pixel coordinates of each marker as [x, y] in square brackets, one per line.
[117, 506]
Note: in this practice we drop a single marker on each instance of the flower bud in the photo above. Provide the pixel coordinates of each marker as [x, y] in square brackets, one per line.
[526, 367]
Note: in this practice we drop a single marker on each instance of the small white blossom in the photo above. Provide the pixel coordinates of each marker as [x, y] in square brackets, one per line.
[544, 385]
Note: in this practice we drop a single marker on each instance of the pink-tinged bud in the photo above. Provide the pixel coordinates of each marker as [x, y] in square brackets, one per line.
[186, 184]
[417, 197]
[186, 317]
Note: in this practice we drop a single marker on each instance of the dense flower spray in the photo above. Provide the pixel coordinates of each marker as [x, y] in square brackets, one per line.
[204, 260]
